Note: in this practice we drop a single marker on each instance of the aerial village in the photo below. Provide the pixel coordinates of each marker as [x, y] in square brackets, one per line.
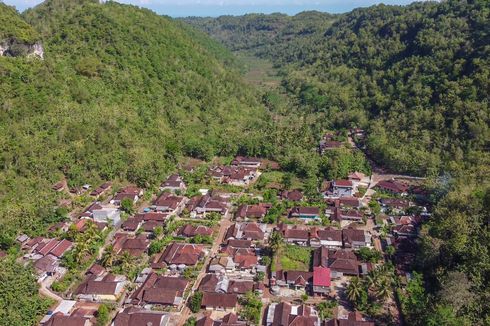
[230, 243]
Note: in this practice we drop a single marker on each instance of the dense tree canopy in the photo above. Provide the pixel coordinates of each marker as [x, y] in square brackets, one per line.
[19, 301]
[122, 94]
[416, 77]
[13, 27]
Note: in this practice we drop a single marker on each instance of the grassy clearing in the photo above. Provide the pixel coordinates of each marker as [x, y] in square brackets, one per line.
[277, 177]
[259, 72]
[289, 264]
[295, 258]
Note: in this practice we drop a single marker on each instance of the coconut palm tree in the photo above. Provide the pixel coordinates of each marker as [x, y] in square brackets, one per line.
[92, 233]
[276, 242]
[355, 289]
[372, 280]
[384, 290]
[127, 261]
[82, 249]
[109, 257]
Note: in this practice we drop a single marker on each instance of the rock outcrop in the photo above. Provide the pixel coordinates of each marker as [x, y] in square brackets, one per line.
[14, 48]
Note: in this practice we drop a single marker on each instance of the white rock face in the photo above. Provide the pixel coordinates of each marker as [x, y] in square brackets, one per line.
[11, 48]
[37, 51]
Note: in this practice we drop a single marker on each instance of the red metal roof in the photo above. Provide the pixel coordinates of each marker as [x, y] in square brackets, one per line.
[321, 276]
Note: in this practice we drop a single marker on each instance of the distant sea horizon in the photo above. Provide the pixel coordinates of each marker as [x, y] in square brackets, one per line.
[215, 10]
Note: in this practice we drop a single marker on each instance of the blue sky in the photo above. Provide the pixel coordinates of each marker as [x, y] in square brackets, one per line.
[182, 8]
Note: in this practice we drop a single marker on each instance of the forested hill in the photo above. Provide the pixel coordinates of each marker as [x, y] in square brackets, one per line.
[122, 93]
[416, 77]
[265, 35]
[14, 27]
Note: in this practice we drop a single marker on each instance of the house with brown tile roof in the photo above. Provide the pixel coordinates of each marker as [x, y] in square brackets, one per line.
[240, 287]
[131, 192]
[83, 224]
[286, 314]
[59, 186]
[169, 203]
[222, 284]
[294, 195]
[190, 231]
[245, 262]
[256, 211]
[234, 175]
[136, 246]
[355, 239]
[325, 145]
[246, 231]
[230, 319]
[353, 319]
[139, 317]
[152, 216]
[392, 186]
[343, 262]
[320, 257]
[173, 183]
[182, 254]
[304, 212]
[222, 264]
[149, 226]
[106, 288]
[396, 205]
[161, 291]
[213, 283]
[96, 270]
[405, 230]
[207, 204]
[132, 224]
[348, 215]
[238, 243]
[247, 162]
[39, 247]
[103, 188]
[329, 237]
[352, 202]
[293, 279]
[294, 234]
[219, 301]
[59, 319]
[48, 265]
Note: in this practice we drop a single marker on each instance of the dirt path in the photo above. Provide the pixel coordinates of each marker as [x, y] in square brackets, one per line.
[44, 290]
[225, 223]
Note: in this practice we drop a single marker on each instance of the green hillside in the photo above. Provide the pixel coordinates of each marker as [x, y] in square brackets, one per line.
[14, 27]
[122, 94]
[416, 77]
[273, 36]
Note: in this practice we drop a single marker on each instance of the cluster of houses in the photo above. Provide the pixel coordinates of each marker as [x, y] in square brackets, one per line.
[329, 141]
[239, 263]
[45, 254]
[333, 258]
[232, 271]
[329, 237]
[404, 226]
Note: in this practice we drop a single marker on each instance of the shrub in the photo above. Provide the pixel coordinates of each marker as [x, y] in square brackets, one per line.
[195, 302]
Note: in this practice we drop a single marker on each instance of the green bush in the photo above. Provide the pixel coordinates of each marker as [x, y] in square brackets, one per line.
[195, 302]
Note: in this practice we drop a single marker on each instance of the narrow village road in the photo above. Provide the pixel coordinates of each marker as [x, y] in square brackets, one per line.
[225, 223]
[44, 290]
